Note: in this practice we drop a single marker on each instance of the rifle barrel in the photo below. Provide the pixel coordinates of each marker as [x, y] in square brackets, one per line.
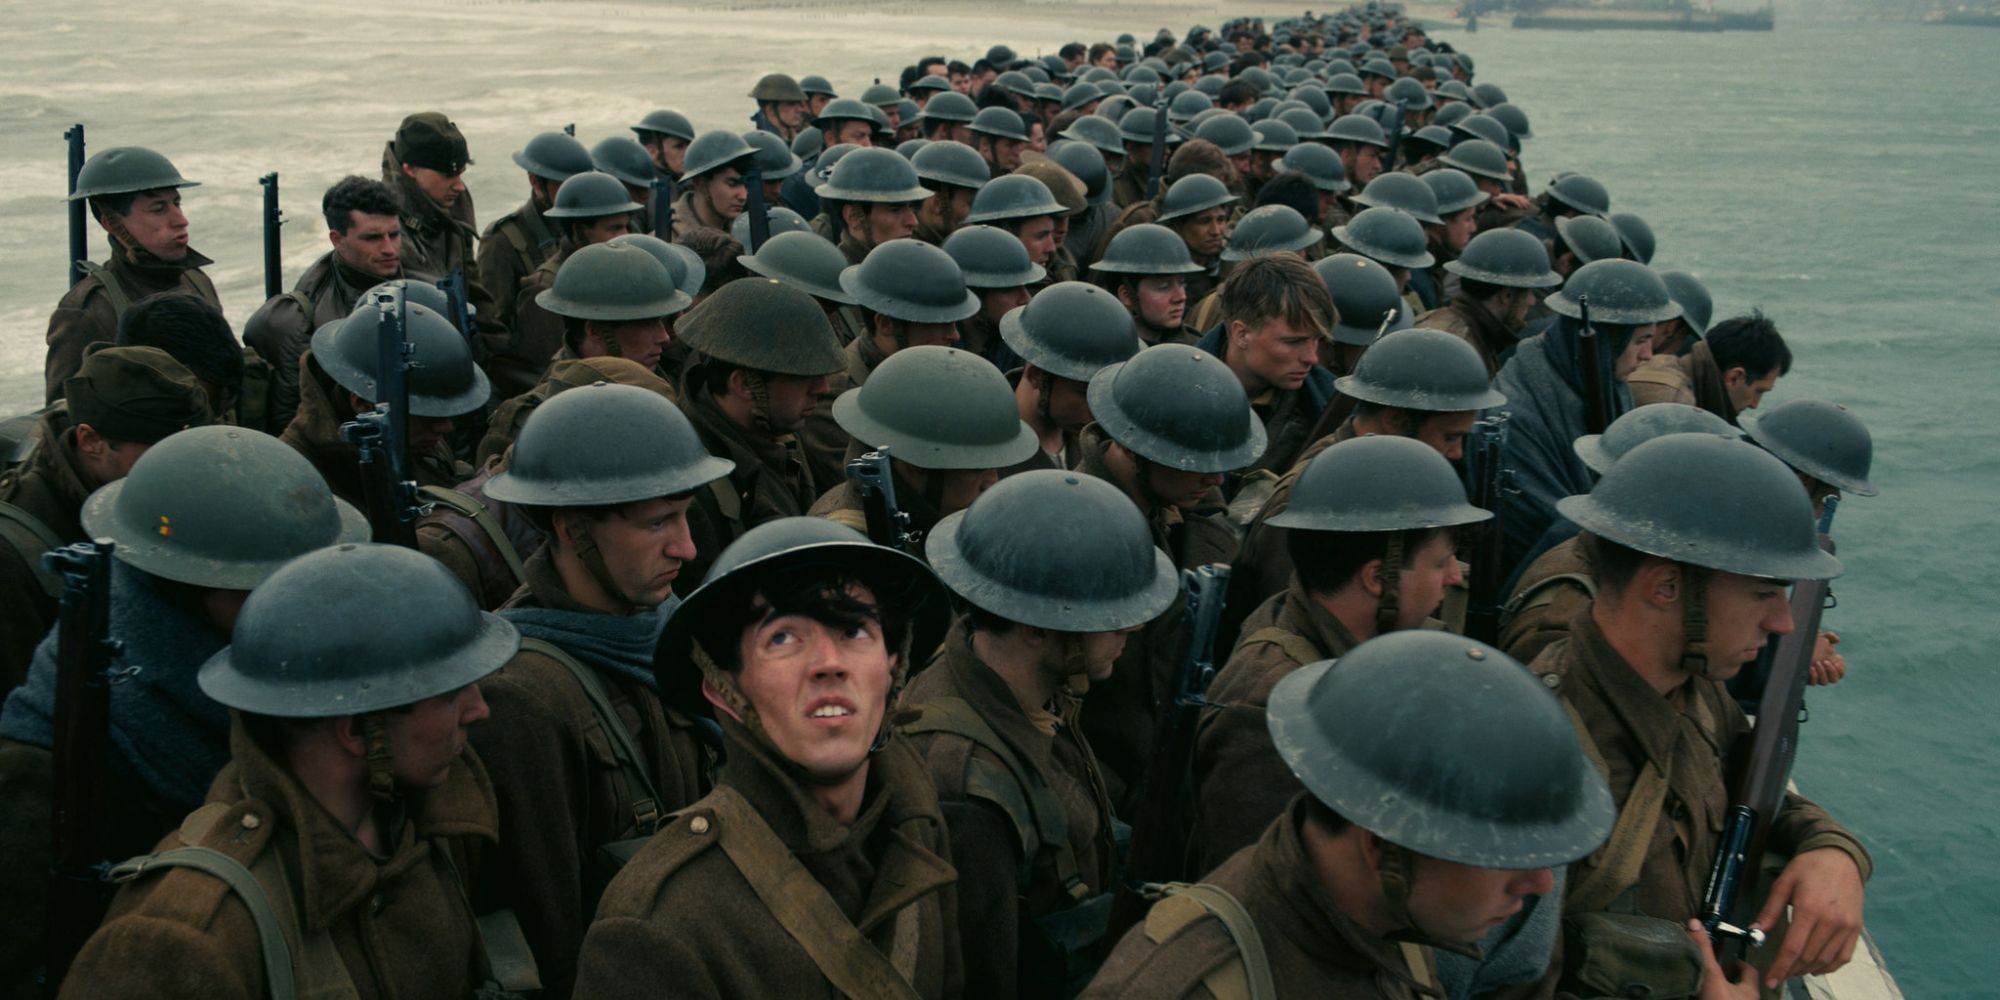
[274, 248]
[79, 236]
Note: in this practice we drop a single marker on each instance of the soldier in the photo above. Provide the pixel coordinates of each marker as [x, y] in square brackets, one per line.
[624, 158]
[425, 165]
[348, 790]
[1064, 336]
[1370, 536]
[239, 504]
[1375, 872]
[1274, 309]
[1499, 274]
[367, 240]
[1544, 385]
[615, 299]
[1023, 206]
[910, 294]
[1048, 607]
[1146, 267]
[1001, 136]
[948, 116]
[1727, 372]
[843, 122]
[871, 198]
[1687, 594]
[590, 614]
[1392, 238]
[998, 270]
[1569, 195]
[134, 194]
[1171, 423]
[811, 265]
[954, 173]
[666, 133]
[818, 92]
[119, 404]
[1360, 142]
[1068, 194]
[1458, 201]
[340, 378]
[775, 163]
[590, 208]
[1678, 336]
[818, 863]
[522, 240]
[712, 192]
[1368, 306]
[1087, 227]
[1135, 131]
[193, 332]
[781, 106]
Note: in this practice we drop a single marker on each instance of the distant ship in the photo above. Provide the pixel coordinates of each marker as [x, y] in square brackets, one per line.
[1675, 18]
[1986, 17]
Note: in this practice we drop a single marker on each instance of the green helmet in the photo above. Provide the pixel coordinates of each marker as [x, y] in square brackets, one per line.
[1071, 330]
[714, 150]
[1820, 439]
[1488, 95]
[1313, 98]
[952, 164]
[1696, 305]
[126, 169]
[765, 325]
[930, 82]
[592, 195]
[1436, 138]
[817, 85]
[1388, 235]
[1077, 95]
[778, 87]
[879, 94]
[774, 159]
[1718, 504]
[1357, 128]
[1379, 66]
[1147, 248]
[1621, 292]
[1097, 131]
[622, 157]
[1452, 90]
[1015, 82]
[682, 264]
[1636, 235]
[1455, 192]
[1191, 195]
[1506, 257]
[419, 293]
[949, 107]
[424, 637]
[1270, 229]
[1378, 483]
[613, 282]
[1346, 85]
[1428, 370]
[1320, 165]
[1513, 117]
[1406, 193]
[1086, 164]
[1136, 126]
[846, 109]
[1229, 132]
[873, 175]
[604, 444]
[1483, 127]
[999, 123]
[1451, 114]
[992, 258]
[1178, 406]
[938, 408]
[1011, 197]
[803, 261]
[443, 380]
[1274, 136]
[1500, 781]
[807, 142]
[666, 122]
[1365, 296]
[1642, 424]
[220, 507]
[823, 165]
[912, 281]
[1094, 569]
[1409, 94]
[1589, 238]
[557, 156]
[779, 219]
[1581, 193]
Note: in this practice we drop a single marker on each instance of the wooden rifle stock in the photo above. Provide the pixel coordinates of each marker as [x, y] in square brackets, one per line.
[82, 749]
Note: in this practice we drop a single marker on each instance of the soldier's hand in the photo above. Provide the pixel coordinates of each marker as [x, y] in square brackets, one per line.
[1823, 888]
[1739, 983]
[1828, 666]
[1509, 200]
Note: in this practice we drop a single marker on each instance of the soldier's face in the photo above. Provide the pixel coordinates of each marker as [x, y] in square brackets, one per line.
[1459, 230]
[1186, 490]
[439, 187]
[644, 545]
[426, 738]
[895, 113]
[606, 228]
[373, 244]
[1363, 163]
[820, 690]
[850, 131]
[815, 103]
[924, 334]
[1421, 584]
[891, 222]
[995, 303]
[1006, 154]
[1275, 353]
[959, 486]
[1445, 432]
[1745, 393]
[669, 153]
[962, 83]
[1039, 237]
[727, 193]
[1245, 164]
[1069, 403]
[1206, 232]
[790, 399]
[1460, 903]
[791, 114]
[641, 340]
[157, 224]
[1638, 350]
[1743, 613]
[1162, 300]
[1101, 651]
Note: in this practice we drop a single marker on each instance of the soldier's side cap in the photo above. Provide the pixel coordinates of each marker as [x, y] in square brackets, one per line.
[1095, 569]
[1709, 502]
[443, 380]
[429, 139]
[556, 463]
[1821, 439]
[220, 507]
[1642, 424]
[295, 654]
[938, 408]
[1378, 482]
[1428, 370]
[1499, 781]
[766, 325]
[135, 394]
[124, 170]
[804, 261]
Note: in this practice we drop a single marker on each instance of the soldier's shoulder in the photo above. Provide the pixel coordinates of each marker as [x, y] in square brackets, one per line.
[242, 831]
[1168, 954]
[83, 294]
[499, 227]
[1446, 317]
[677, 871]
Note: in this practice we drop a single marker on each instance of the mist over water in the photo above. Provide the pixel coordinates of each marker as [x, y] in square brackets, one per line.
[1839, 176]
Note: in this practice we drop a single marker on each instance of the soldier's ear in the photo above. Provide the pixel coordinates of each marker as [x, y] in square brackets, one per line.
[1370, 576]
[1662, 581]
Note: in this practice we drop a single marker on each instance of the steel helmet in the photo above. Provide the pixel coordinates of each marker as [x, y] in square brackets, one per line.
[1478, 158]
[1358, 128]
[1581, 193]
[1428, 370]
[778, 87]
[780, 219]
[992, 258]
[1642, 424]
[126, 169]
[1099, 132]
[1622, 292]
[1178, 406]
[666, 122]
[1192, 195]
[1270, 229]
[1387, 235]
[557, 156]
[952, 164]
[1320, 165]
[1365, 296]
[949, 107]
[1406, 193]
[1146, 248]
[613, 282]
[682, 264]
[804, 261]
[714, 150]
[1001, 123]
[1378, 483]
[765, 325]
[1820, 439]
[442, 378]
[622, 157]
[1696, 305]
[1483, 127]
[1071, 330]
[1274, 136]
[774, 159]
[603, 444]
[1186, 105]
[910, 280]
[1409, 94]
[591, 195]
[1455, 191]
[816, 84]
[938, 408]
[1086, 164]
[1506, 257]
[1636, 234]
[1488, 95]
[1513, 117]
[874, 175]
[1229, 132]
[1011, 197]
[1589, 238]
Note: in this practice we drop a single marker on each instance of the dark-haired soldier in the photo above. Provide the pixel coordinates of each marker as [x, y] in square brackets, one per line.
[1727, 372]
[425, 165]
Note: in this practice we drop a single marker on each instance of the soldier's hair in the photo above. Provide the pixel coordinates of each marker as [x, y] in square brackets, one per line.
[924, 65]
[978, 619]
[1409, 422]
[1293, 189]
[1328, 560]
[718, 251]
[116, 204]
[1070, 50]
[996, 96]
[189, 328]
[956, 68]
[1237, 92]
[353, 194]
[1613, 565]
[1098, 51]
[1323, 814]
[1278, 286]
[1480, 291]
[1751, 343]
[819, 592]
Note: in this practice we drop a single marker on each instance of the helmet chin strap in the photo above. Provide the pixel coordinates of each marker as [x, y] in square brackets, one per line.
[381, 763]
[585, 546]
[1389, 609]
[1694, 622]
[1394, 872]
[1075, 665]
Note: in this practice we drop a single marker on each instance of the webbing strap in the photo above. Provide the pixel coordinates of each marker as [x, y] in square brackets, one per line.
[1294, 645]
[1619, 860]
[726, 500]
[270, 934]
[646, 805]
[1543, 591]
[481, 515]
[30, 537]
[113, 288]
[1419, 964]
[803, 908]
[1250, 974]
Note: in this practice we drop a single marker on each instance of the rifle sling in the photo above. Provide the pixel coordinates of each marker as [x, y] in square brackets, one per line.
[1618, 862]
[645, 805]
[481, 515]
[1247, 976]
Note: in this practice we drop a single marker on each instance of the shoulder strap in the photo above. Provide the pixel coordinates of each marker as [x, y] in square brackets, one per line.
[1039, 819]
[726, 499]
[1247, 976]
[1619, 860]
[30, 537]
[516, 234]
[796, 900]
[481, 515]
[1543, 591]
[646, 804]
[1293, 644]
[1418, 962]
[121, 300]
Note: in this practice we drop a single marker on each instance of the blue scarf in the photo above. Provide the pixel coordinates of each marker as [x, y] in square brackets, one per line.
[621, 644]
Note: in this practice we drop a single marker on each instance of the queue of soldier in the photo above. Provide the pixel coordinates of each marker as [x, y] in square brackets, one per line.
[650, 702]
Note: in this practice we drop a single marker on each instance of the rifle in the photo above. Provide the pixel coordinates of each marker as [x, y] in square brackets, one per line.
[1759, 789]
[1596, 411]
[760, 218]
[84, 651]
[1158, 169]
[1487, 483]
[79, 235]
[381, 435]
[1162, 819]
[274, 247]
[663, 208]
[873, 478]
[453, 287]
[1395, 140]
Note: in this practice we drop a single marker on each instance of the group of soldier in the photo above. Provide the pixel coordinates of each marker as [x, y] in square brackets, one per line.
[662, 695]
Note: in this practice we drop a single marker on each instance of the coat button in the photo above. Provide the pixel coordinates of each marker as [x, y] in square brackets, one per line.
[698, 825]
[251, 822]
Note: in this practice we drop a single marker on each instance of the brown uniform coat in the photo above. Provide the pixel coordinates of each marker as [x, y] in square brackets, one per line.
[517, 363]
[1693, 379]
[86, 315]
[771, 480]
[1543, 606]
[512, 247]
[50, 487]
[1476, 325]
[825, 441]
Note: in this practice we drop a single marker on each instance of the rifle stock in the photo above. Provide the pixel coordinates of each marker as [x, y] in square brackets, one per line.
[79, 234]
[274, 247]
[874, 478]
[1590, 365]
[82, 724]
[1487, 482]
